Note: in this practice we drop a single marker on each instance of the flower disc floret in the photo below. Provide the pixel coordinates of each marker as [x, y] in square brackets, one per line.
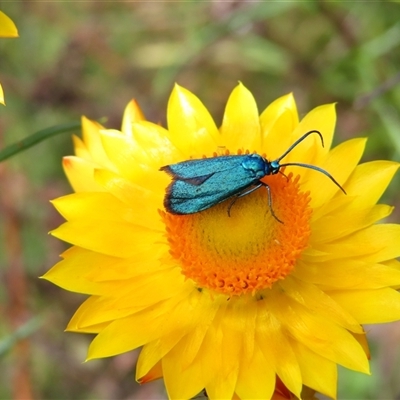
[247, 249]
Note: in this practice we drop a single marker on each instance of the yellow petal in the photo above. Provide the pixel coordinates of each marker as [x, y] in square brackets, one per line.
[144, 202]
[206, 355]
[132, 114]
[190, 345]
[350, 151]
[117, 239]
[322, 119]
[121, 150]
[319, 303]
[218, 368]
[276, 348]
[375, 244]
[223, 386]
[152, 353]
[370, 306]
[241, 126]
[347, 273]
[153, 374]
[181, 383]
[80, 174]
[71, 272]
[151, 324]
[195, 340]
[368, 182]
[345, 221]
[80, 149]
[92, 140]
[278, 121]
[2, 101]
[93, 206]
[89, 272]
[256, 379]
[7, 26]
[317, 372]
[127, 298]
[321, 335]
[105, 207]
[190, 125]
[156, 147]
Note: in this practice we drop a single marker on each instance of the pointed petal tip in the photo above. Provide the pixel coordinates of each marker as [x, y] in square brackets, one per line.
[7, 27]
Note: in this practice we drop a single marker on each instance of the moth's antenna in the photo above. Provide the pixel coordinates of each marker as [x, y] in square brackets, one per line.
[319, 170]
[299, 141]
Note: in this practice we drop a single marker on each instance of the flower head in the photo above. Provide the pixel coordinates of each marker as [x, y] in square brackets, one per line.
[231, 302]
[7, 29]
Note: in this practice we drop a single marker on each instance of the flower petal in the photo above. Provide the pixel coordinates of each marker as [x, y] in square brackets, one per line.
[347, 273]
[152, 353]
[126, 301]
[80, 174]
[181, 383]
[276, 348]
[154, 144]
[256, 379]
[346, 221]
[132, 114]
[93, 143]
[241, 126]
[374, 244]
[319, 303]
[317, 372]
[114, 239]
[143, 201]
[278, 121]
[66, 274]
[118, 336]
[322, 336]
[7, 26]
[121, 150]
[154, 373]
[190, 125]
[322, 119]
[2, 101]
[370, 306]
[368, 182]
[351, 151]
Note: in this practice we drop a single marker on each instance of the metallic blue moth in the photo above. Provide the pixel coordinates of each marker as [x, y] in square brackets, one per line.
[200, 184]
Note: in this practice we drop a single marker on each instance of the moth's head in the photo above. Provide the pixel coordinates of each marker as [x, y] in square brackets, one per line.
[273, 167]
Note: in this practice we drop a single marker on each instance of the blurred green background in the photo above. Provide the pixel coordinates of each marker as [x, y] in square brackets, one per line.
[90, 58]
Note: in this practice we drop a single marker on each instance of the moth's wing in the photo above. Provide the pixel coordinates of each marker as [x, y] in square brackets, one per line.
[192, 169]
[184, 197]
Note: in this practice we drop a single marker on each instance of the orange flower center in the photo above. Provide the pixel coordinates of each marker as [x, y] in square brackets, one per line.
[249, 250]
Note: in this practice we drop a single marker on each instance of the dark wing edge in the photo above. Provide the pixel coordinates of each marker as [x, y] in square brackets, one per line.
[195, 180]
[170, 198]
[202, 167]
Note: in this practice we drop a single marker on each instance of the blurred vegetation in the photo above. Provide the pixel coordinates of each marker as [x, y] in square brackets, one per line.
[91, 58]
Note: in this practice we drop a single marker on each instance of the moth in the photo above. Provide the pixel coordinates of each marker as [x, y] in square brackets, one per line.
[202, 183]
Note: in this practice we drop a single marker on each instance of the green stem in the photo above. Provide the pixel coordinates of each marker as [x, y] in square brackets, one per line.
[37, 137]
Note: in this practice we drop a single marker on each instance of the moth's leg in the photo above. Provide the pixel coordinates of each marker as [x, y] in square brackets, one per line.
[252, 190]
[243, 194]
[270, 201]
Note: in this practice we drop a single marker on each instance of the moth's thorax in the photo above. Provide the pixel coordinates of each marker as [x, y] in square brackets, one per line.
[256, 165]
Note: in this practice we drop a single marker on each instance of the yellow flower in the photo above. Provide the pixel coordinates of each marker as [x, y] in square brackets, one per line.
[232, 304]
[7, 29]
